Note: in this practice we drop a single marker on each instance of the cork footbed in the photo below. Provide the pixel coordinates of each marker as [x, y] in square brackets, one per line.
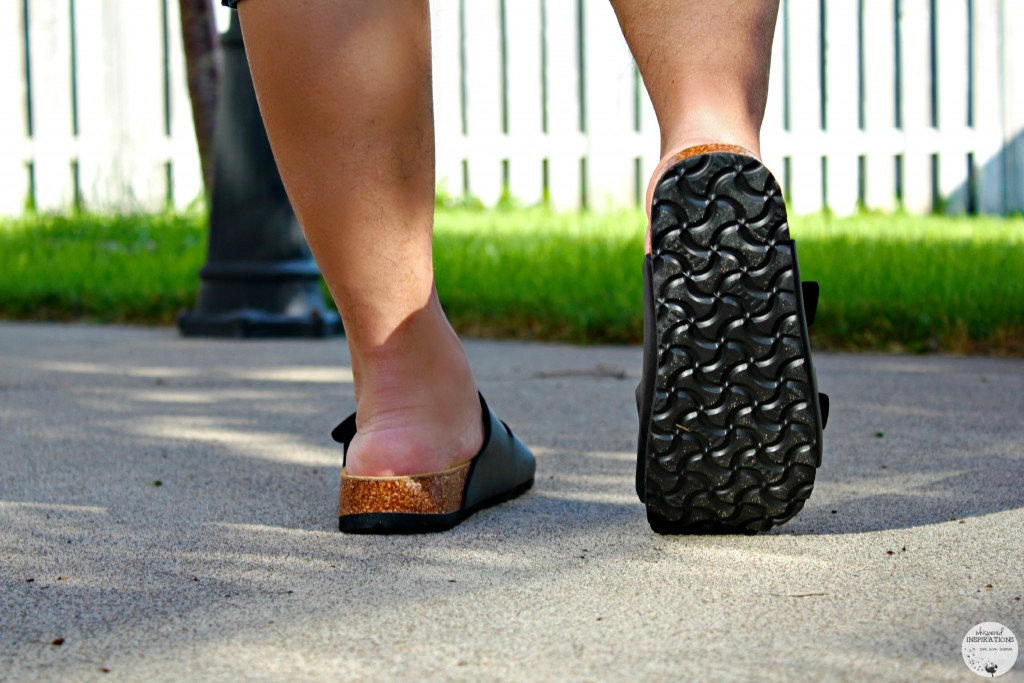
[435, 493]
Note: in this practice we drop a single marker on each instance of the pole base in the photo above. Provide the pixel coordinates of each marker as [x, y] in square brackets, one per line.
[248, 300]
[254, 324]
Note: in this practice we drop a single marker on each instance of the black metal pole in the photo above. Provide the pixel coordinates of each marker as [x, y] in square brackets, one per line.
[259, 279]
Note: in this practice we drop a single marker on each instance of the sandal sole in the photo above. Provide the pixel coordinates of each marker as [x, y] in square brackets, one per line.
[735, 431]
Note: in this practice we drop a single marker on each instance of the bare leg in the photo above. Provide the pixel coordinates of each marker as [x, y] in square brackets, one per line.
[344, 87]
[705, 64]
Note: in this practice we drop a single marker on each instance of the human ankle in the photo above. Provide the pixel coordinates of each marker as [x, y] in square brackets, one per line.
[416, 432]
[418, 407]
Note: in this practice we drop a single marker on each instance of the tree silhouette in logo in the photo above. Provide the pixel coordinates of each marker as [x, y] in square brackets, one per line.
[980, 665]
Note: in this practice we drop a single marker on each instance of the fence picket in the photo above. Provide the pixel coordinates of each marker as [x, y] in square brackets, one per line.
[915, 104]
[96, 141]
[608, 108]
[525, 98]
[1013, 91]
[951, 78]
[485, 148]
[565, 142]
[989, 172]
[13, 115]
[842, 105]
[53, 144]
[143, 98]
[121, 105]
[447, 68]
[883, 139]
[804, 68]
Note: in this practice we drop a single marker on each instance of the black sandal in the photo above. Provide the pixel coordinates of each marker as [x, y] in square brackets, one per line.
[503, 469]
[730, 416]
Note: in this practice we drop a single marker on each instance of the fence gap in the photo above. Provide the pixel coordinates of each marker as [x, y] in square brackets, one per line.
[76, 179]
[787, 169]
[545, 175]
[169, 184]
[581, 67]
[503, 60]
[544, 77]
[787, 123]
[972, 186]
[30, 201]
[76, 186]
[824, 182]
[506, 179]
[506, 182]
[823, 64]
[898, 171]
[970, 71]
[29, 119]
[898, 71]
[862, 171]
[861, 70]
[638, 93]
[73, 39]
[584, 204]
[463, 118]
[638, 182]
[933, 61]
[165, 37]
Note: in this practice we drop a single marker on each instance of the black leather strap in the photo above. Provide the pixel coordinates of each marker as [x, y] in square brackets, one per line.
[810, 290]
[503, 463]
[645, 399]
[343, 434]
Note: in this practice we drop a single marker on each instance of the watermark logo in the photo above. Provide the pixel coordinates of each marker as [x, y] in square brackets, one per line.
[990, 649]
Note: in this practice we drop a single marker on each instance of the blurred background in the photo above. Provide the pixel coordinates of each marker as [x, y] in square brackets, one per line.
[895, 127]
[874, 103]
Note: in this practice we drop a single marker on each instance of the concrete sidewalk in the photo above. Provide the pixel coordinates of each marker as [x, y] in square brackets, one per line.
[231, 568]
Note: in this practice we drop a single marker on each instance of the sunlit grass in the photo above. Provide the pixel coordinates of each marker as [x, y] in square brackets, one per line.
[938, 282]
[888, 282]
[138, 268]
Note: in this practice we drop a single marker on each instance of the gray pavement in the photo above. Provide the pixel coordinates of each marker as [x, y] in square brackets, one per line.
[231, 568]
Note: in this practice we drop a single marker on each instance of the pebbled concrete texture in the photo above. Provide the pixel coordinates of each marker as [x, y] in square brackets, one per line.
[231, 568]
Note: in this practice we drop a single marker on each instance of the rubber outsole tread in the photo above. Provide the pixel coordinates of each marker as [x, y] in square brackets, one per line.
[734, 435]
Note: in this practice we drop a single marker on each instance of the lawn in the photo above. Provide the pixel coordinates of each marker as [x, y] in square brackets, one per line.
[888, 282]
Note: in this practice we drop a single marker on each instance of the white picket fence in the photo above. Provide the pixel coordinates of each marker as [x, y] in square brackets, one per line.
[874, 103]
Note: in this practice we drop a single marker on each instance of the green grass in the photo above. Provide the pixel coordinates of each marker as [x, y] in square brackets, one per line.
[536, 274]
[104, 268]
[954, 284]
[888, 282]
